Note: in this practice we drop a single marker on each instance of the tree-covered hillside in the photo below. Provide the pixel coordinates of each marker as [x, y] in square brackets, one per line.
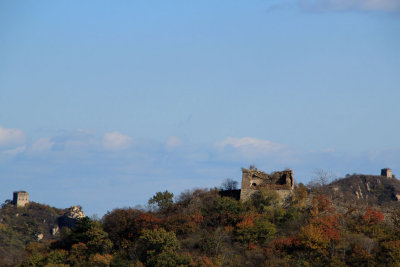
[21, 225]
[202, 228]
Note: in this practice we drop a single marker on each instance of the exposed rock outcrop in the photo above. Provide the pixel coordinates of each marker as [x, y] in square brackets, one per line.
[55, 230]
[75, 212]
[39, 237]
[71, 216]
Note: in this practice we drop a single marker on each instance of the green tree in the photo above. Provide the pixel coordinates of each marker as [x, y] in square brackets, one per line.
[91, 234]
[159, 248]
[228, 210]
[36, 253]
[57, 256]
[163, 200]
[121, 225]
[300, 195]
[78, 255]
[254, 228]
[264, 199]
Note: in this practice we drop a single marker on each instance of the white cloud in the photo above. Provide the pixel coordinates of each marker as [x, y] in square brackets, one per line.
[11, 137]
[250, 145]
[116, 141]
[15, 151]
[344, 5]
[173, 142]
[42, 145]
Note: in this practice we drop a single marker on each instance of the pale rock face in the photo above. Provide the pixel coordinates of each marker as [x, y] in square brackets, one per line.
[39, 237]
[358, 193]
[70, 217]
[75, 212]
[368, 188]
[55, 230]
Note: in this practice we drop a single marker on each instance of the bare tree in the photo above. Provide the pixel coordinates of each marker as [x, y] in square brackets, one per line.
[229, 184]
[321, 178]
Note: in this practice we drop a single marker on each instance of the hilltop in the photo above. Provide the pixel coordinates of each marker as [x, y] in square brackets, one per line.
[34, 222]
[364, 190]
[353, 221]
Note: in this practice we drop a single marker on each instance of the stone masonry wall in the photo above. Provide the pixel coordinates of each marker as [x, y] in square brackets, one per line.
[20, 198]
[254, 180]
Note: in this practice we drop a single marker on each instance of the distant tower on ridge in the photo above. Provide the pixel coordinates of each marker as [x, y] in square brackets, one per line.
[20, 198]
[386, 172]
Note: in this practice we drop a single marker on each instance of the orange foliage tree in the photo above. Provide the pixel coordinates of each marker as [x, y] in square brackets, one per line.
[372, 216]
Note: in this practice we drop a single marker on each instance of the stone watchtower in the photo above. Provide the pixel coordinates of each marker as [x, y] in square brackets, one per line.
[386, 172]
[20, 198]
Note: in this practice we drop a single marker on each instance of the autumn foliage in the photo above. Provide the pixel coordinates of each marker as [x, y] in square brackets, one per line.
[201, 228]
[372, 216]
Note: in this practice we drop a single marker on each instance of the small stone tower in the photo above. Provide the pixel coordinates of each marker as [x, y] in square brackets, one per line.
[20, 198]
[386, 172]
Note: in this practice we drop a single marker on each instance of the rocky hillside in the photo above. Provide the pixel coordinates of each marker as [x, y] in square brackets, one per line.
[34, 222]
[365, 189]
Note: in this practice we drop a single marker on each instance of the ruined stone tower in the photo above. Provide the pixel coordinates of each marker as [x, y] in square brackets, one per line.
[253, 180]
[386, 172]
[20, 198]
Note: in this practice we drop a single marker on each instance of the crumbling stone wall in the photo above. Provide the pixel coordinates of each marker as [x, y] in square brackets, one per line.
[253, 180]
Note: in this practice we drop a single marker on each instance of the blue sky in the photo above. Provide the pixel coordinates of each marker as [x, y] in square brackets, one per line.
[104, 103]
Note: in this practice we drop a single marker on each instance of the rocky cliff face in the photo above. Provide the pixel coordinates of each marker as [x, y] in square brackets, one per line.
[75, 212]
[71, 215]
